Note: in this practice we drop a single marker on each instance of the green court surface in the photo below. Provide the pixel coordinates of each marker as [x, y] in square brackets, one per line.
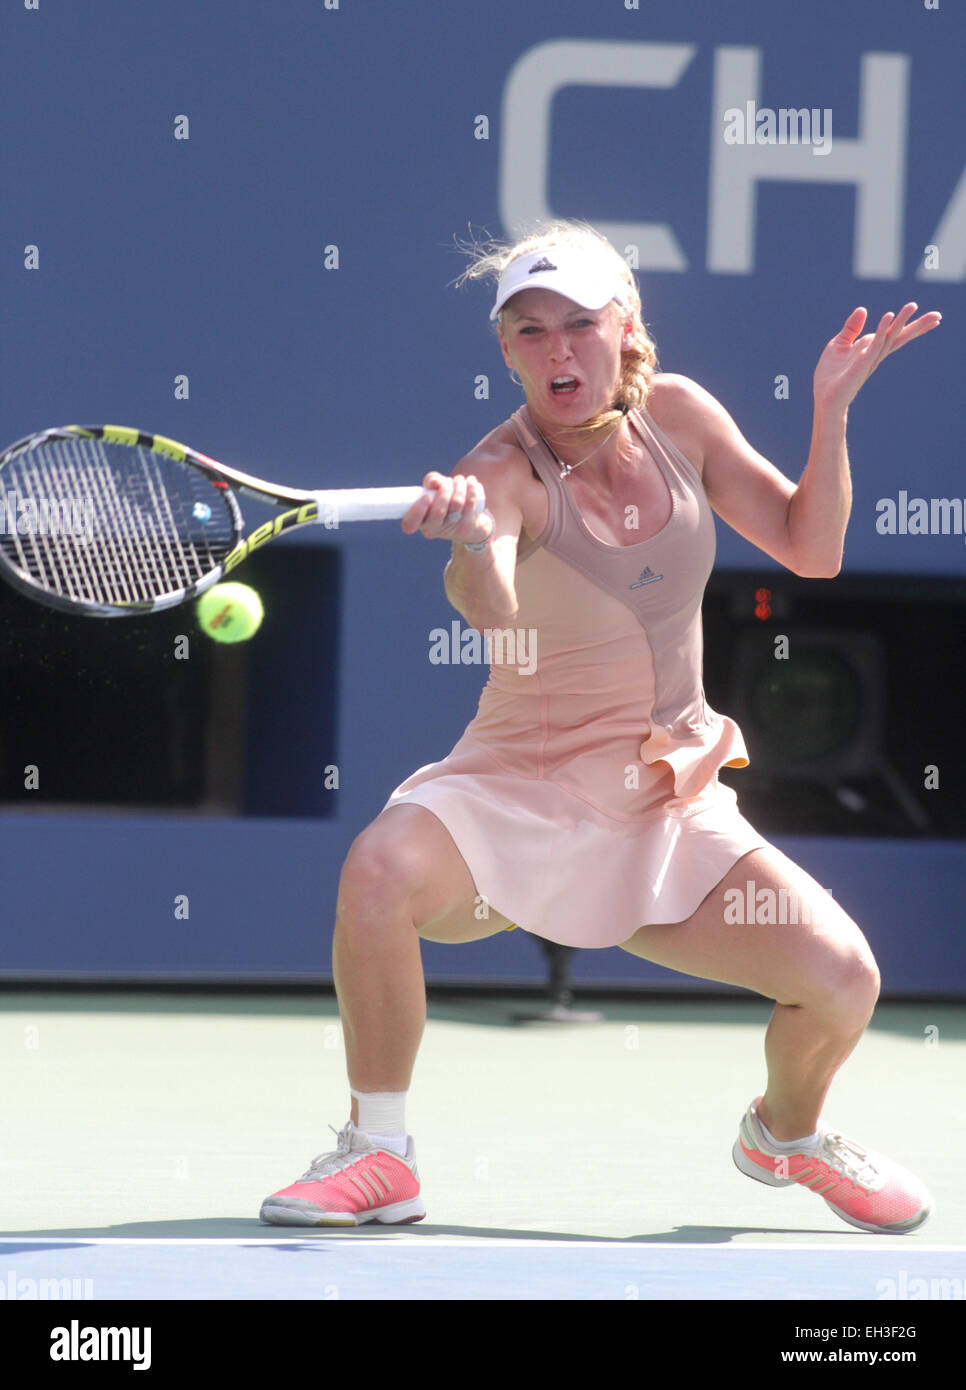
[161, 1117]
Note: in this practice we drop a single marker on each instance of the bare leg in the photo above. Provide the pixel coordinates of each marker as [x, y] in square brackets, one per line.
[818, 968]
[403, 877]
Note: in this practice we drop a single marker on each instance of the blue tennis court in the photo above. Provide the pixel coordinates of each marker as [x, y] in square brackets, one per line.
[577, 1162]
[436, 1266]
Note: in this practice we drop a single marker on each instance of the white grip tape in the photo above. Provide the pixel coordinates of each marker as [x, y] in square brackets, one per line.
[370, 503]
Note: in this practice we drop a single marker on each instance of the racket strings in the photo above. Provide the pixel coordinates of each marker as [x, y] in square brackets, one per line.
[112, 524]
[144, 565]
[33, 523]
[70, 472]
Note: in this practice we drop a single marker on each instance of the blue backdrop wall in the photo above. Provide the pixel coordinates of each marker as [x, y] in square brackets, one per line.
[235, 224]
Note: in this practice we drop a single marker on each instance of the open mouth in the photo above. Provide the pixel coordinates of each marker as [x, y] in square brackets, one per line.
[563, 385]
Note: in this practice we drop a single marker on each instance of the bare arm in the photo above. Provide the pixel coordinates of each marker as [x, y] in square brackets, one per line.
[479, 585]
[802, 527]
[820, 507]
[742, 486]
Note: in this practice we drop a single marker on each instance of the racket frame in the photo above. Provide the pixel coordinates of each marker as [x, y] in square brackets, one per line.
[302, 510]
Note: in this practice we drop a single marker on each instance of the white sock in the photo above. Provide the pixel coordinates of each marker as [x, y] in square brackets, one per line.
[382, 1116]
[789, 1146]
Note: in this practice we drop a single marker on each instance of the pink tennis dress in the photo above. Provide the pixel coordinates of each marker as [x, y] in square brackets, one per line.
[584, 795]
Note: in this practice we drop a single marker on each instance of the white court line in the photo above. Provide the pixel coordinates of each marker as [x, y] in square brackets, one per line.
[907, 1246]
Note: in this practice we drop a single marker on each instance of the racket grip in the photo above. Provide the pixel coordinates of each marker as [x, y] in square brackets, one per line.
[370, 503]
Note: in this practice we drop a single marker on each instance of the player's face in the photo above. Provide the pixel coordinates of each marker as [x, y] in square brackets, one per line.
[568, 358]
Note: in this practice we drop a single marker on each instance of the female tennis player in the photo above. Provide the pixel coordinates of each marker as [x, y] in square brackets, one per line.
[582, 802]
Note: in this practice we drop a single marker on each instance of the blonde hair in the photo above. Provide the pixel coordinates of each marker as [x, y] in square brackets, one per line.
[638, 362]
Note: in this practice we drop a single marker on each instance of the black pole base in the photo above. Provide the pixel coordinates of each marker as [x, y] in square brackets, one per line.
[560, 1008]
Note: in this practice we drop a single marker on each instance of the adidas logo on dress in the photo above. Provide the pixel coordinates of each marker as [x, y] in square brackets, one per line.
[647, 577]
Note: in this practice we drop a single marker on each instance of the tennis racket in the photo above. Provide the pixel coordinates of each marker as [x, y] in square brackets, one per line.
[111, 522]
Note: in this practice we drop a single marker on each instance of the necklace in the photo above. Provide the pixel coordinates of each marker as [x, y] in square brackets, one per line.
[567, 468]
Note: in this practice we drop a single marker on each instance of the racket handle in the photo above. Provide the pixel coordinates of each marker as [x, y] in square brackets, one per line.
[370, 503]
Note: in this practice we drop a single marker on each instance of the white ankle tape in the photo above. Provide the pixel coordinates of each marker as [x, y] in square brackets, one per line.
[381, 1112]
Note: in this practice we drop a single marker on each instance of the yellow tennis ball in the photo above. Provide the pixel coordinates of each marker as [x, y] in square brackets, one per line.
[230, 612]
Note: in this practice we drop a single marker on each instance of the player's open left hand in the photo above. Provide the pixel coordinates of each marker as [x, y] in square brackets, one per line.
[848, 361]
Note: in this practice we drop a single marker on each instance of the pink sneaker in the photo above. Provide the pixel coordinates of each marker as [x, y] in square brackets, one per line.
[863, 1188]
[354, 1184]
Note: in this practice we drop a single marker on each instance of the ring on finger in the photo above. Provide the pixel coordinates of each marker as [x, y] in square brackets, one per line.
[453, 518]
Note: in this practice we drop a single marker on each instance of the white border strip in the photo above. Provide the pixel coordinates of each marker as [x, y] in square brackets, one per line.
[429, 1242]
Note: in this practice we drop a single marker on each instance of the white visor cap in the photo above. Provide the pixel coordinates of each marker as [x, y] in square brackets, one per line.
[574, 274]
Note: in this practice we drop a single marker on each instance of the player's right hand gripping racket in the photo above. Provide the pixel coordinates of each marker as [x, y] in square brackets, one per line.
[107, 521]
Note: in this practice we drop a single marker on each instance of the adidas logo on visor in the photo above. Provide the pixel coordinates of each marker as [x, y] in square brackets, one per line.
[542, 264]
